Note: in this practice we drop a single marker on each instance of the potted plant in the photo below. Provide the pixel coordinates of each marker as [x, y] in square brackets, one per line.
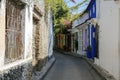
[88, 51]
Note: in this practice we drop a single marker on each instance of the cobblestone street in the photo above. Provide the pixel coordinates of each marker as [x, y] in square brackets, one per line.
[71, 68]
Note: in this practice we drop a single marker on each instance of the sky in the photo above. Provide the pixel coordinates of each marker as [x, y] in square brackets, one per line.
[81, 8]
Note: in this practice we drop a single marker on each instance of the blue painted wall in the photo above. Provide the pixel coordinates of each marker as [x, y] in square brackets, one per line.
[92, 9]
[93, 41]
[89, 52]
[91, 35]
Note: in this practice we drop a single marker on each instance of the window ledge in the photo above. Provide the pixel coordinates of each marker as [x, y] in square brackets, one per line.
[15, 64]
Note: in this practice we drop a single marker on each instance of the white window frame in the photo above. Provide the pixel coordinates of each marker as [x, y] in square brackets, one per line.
[28, 37]
[18, 52]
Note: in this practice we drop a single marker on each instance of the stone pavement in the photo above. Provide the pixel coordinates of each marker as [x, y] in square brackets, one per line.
[71, 68]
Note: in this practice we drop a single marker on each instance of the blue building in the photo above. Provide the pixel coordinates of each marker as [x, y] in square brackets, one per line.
[86, 27]
[92, 47]
[92, 9]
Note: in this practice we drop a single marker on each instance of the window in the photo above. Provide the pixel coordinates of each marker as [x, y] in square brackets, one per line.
[14, 31]
[93, 9]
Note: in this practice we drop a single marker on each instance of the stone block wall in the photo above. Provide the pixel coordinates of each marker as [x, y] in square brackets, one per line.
[20, 72]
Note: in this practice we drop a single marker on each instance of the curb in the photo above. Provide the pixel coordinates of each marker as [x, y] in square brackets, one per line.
[100, 71]
[48, 67]
[41, 74]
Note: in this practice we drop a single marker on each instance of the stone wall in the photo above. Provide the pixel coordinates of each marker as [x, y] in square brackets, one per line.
[25, 71]
[20, 72]
[43, 34]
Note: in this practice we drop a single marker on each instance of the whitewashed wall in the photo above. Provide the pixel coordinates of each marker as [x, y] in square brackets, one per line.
[81, 39]
[80, 20]
[50, 25]
[109, 40]
[28, 31]
[2, 32]
[74, 30]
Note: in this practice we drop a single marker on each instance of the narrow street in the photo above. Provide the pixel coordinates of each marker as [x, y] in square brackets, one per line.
[87, 31]
[68, 67]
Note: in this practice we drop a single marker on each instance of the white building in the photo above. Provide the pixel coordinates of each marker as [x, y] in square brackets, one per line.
[108, 18]
[80, 27]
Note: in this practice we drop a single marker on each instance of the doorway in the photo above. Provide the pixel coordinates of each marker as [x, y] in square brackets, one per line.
[35, 41]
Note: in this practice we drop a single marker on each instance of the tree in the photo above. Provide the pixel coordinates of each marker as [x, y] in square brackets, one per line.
[61, 13]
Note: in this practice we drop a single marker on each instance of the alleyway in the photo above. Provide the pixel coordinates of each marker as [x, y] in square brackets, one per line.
[71, 68]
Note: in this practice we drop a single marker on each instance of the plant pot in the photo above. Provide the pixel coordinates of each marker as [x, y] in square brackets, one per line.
[89, 55]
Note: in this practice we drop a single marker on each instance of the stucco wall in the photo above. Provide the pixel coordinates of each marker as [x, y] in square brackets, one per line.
[44, 29]
[43, 33]
[109, 35]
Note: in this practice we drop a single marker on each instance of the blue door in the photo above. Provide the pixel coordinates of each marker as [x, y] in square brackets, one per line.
[89, 50]
[93, 42]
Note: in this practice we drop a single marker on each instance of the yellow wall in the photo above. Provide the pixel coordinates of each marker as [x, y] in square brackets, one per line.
[62, 41]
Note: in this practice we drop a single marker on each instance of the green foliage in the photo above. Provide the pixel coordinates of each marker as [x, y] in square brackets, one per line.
[61, 12]
[75, 16]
